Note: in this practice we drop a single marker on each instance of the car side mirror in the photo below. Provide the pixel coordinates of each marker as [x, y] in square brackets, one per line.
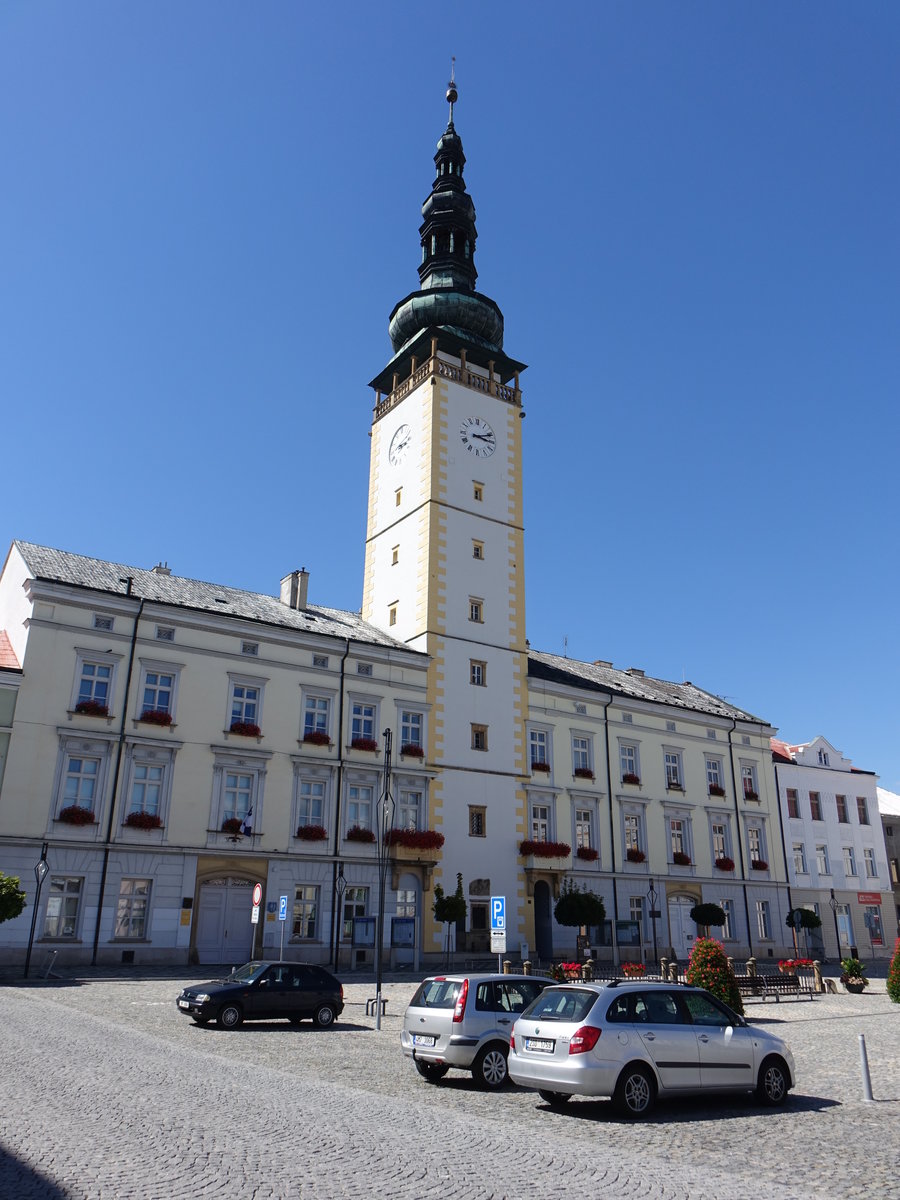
[263, 983]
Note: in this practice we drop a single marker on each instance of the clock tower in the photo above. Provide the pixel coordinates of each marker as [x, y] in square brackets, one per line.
[444, 568]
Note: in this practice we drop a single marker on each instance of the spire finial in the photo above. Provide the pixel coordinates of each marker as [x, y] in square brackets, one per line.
[452, 94]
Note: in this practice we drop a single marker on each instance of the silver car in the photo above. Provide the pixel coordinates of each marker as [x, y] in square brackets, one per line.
[640, 1041]
[465, 1021]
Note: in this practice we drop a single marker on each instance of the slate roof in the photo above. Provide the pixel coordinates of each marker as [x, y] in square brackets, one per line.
[602, 678]
[59, 566]
[8, 660]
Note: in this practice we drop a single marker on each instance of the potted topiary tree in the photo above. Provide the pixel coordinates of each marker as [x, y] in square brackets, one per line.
[708, 967]
[893, 979]
[853, 975]
[705, 915]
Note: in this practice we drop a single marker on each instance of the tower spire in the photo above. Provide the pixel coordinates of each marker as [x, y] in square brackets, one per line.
[452, 94]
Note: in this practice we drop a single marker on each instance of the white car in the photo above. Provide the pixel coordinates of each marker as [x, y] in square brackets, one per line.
[640, 1041]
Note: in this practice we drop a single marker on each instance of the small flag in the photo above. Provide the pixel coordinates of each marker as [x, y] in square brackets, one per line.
[247, 826]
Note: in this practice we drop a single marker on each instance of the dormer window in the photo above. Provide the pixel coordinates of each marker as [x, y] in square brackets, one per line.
[823, 758]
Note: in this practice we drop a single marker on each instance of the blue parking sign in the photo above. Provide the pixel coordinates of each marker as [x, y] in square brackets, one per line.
[282, 908]
[498, 912]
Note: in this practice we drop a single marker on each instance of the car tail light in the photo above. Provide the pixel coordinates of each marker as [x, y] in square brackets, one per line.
[584, 1039]
[512, 1041]
[461, 1001]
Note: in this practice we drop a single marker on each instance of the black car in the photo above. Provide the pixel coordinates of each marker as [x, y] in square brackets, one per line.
[266, 991]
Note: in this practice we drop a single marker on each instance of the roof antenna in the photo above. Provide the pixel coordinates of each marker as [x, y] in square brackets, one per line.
[452, 94]
[566, 646]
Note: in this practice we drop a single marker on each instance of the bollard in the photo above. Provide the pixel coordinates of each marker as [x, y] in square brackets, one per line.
[751, 966]
[730, 962]
[673, 972]
[588, 970]
[818, 985]
[664, 968]
[507, 967]
[864, 1064]
[526, 967]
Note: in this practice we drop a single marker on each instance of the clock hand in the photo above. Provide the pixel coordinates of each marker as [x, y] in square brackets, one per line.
[484, 437]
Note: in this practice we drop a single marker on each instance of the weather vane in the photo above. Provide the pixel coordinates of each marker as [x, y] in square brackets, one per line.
[452, 93]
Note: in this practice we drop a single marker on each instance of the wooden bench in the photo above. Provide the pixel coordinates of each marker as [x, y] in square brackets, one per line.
[774, 985]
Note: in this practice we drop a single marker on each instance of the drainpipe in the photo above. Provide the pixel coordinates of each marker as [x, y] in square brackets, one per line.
[336, 866]
[740, 840]
[114, 796]
[612, 838]
[787, 873]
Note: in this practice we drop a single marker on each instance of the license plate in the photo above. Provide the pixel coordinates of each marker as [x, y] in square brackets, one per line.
[183, 1004]
[423, 1039]
[540, 1045]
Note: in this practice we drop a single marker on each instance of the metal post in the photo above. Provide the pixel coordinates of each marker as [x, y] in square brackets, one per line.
[340, 886]
[384, 825]
[864, 1064]
[40, 872]
[833, 905]
[652, 896]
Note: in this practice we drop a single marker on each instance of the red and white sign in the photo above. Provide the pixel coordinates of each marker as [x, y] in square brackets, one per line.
[868, 897]
[257, 894]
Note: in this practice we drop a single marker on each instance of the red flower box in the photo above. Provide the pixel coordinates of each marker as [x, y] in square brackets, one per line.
[716, 789]
[541, 766]
[545, 849]
[583, 773]
[632, 970]
[416, 839]
[76, 815]
[92, 708]
[759, 864]
[629, 777]
[143, 820]
[245, 728]
[155, 716]
[363, 744]
[411, 750]
[356, 833]
[724, 863]
[232, 825]
[588, 853]
[635, 856]
[749, 794]
[680, 859]
[311, 833]
[316, 737]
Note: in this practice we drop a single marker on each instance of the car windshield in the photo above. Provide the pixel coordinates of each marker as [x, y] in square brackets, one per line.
[571, 1004]
[436, 993]
[248, 971]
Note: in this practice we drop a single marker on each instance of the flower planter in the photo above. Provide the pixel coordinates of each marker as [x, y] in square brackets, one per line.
[143, 820]
[724, 864]
[583, 773]
[232, 825]
[91, 708]
[415, 839]
[633, 780]
[357, 834]
[311, 833]
[759, 864]
[540, 768]
[315, 737]
[679, 859]
[76, 815]
[412, 751]
[245, 729]
[635, 856]
[155, 716]
[856, 986]
[715, 790]
[367, 744]
[587, 853]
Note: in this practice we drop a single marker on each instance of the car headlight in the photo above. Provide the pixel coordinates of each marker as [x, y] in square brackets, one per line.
[202, 997]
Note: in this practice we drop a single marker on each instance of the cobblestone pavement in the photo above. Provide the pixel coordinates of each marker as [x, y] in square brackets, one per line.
[110, 1092]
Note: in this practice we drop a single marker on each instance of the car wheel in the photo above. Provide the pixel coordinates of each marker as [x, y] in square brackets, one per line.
[773, 1083]
[555, 1099]
[635, 1092]
[433, 1072]
[489, 1069]
[324, 1015]
[200, 1020]
[230, 1017]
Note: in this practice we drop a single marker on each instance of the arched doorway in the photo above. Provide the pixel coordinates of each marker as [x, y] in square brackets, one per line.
[543, 921]
[224, 933]
[682, 930]
[404, 946]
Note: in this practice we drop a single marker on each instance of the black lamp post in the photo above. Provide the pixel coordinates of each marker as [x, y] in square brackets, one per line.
[384, 823]
[340, 886]
[40, 873]
[833, 905]
[653, 897]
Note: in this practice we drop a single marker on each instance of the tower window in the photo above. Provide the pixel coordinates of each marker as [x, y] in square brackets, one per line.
[477, 672]
[478, 492]
[477, 549]
[395, 555]
[479, 737]
[392, 615]
[398, 496]
[476, 611]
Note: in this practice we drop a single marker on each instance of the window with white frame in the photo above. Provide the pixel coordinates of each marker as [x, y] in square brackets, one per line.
[81, 782]
[822, 859]
[749, 785]
[316, 711]
[793, 802]
[477, 672]
[133, 909]
[356, 904]
[362, 721]
[678, 842]
[763, 920]
[674, 775]
[872, 922]
[629, 762]
[409, 809]
[244, 701]
[799, 858]
[146, 795]
[477, 820]
[633, 832]
[63, 911]
[869, 861]
[94, 683]
[476, 611]
[581, 756]
[306, 912]
[158, 687]
[727, 907]
[238, 785]
[755, 843]
[479, 737]
[720, 840]
[539, 747]
[714, 783]
[849, 861]
[359, 805]
[822, 758]
[310, 802]
[862, 810]
[583, 829]
[540, 822]
[238, 795]
[412, 726]
[636, 913]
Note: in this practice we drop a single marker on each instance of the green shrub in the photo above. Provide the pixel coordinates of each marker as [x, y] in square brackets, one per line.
[12, 898]
[893, 979]
[708, 968]
[578, 906]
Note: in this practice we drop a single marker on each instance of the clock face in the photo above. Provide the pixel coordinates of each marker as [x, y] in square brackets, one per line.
[399, 445]
[478, 437]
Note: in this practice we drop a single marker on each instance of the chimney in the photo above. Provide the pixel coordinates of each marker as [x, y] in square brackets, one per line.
[294, 588]
[635, 671]
[161, 569]
[601, 662]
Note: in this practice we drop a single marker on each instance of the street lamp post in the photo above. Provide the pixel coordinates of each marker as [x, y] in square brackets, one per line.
[340, 886]
[384, 824]
[40, 873]
[833, 905]
[652, 896]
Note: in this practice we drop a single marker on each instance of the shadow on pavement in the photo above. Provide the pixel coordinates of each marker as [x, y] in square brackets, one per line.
[691, 1109]
[17, 1179]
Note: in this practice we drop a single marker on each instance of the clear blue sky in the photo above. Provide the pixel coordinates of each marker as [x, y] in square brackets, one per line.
[688, 213]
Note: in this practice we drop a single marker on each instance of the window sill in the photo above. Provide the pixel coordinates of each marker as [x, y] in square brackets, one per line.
[108, 718]
[246, 737]
[136, 722]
